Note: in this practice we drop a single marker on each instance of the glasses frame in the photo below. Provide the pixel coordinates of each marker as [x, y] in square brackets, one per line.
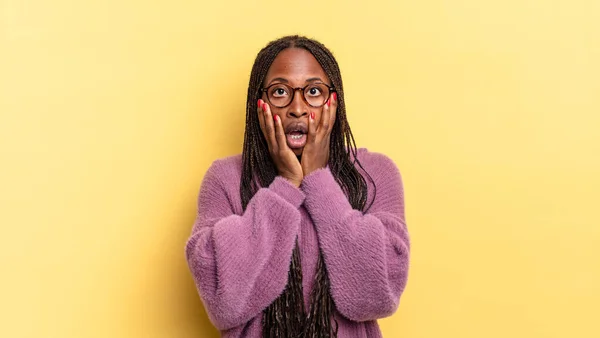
[266, 89]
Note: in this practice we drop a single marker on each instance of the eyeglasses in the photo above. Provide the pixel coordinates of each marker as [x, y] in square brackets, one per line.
[281, 95]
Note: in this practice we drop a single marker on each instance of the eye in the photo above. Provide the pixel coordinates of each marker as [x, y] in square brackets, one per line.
[314, 91]
[279, 91]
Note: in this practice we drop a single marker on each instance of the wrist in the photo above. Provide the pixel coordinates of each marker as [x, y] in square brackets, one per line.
[311, 169]
[296, 182]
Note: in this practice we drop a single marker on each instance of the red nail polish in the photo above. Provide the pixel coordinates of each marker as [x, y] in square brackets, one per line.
[258, 103]
[312, 115]
[334, 95]
[328, 103]
[264, 106]
[275, 117]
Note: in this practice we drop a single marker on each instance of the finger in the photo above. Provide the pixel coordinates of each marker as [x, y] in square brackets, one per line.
[261, 117]
[324, 122]
[269, 126]
[312, 128]
[279, 133]
[332, 110]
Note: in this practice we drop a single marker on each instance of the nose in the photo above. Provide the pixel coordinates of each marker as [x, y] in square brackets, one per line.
[297, 107]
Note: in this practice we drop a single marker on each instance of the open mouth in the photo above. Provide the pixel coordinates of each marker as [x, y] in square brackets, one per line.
[296, 139]
[295, 135]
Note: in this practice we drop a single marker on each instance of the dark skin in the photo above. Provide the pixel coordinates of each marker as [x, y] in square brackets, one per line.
[297, 67]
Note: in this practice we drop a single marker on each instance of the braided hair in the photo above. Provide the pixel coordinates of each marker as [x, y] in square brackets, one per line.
[286, 316]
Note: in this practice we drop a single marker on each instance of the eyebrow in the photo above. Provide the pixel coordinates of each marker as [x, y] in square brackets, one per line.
[280, 79]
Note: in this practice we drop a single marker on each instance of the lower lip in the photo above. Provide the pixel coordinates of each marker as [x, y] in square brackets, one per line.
[295, 143]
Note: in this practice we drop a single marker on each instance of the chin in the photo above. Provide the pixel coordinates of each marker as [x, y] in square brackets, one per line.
[298, 152]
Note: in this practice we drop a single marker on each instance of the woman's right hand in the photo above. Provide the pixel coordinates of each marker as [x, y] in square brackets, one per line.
[285, 160]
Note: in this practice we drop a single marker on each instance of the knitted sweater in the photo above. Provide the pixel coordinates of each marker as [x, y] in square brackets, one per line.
[240, 259]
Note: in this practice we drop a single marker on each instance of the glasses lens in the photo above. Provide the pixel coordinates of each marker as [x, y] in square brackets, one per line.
[316, 94]
[280, 95]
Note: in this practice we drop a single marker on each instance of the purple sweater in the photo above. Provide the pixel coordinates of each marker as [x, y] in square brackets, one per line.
[240, 259]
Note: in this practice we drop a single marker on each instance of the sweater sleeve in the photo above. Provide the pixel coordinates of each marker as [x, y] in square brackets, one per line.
[367, 255]
[240, 263]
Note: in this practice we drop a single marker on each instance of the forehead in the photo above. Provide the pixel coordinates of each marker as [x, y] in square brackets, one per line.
[296, 65]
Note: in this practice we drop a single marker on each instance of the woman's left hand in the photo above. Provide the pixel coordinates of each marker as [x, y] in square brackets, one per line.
[316, 151]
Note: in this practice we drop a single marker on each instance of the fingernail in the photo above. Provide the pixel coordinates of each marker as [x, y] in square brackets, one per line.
[312, 115]
[264, 106]
[328, 103]
[275, 117]
[258, 103]
[334, 95]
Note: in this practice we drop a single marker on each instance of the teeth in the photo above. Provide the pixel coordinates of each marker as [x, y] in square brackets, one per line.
[297, 137]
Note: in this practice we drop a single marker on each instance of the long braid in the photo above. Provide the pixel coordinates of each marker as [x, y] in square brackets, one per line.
[286, 316]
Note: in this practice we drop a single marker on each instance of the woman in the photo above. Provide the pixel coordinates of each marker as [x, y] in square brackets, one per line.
[302, 235]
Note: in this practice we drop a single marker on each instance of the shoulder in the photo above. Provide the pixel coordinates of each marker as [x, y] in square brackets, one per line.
[376, 164]
[226, 170]
[229, 163]
[384, 182]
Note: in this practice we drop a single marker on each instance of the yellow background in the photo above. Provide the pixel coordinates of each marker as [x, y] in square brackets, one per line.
[111, 112]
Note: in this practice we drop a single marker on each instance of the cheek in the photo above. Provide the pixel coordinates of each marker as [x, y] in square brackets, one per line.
[318, 113]
[274, 110]
[278, 111]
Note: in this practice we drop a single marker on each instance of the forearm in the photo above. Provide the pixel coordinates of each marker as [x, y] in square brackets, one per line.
[366, 254]
[240, 262]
